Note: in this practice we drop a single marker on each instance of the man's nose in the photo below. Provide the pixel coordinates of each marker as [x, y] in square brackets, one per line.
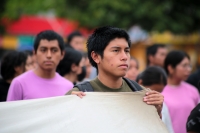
[49, 54]
[124, 56]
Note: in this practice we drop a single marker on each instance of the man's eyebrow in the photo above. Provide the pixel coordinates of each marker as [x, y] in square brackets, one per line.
[42, 47]
[47, 48]
[53, 48]
[120, 47]
[115, 47]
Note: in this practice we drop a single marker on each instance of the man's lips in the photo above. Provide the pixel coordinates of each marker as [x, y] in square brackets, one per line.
[48, 62]
[124, 65]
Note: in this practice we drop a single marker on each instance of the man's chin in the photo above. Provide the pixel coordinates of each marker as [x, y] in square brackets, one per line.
[121, 74]
[48, 69]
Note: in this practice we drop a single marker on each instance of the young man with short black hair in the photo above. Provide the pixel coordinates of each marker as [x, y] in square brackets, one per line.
[109, 51]
[76, 41]
[156, 55]
[43, 81]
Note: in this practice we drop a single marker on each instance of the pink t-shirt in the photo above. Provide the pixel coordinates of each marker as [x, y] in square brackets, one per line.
[180, 101]
[31, 86]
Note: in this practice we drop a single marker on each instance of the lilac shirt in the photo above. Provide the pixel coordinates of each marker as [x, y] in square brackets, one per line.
[180, 101]
[31, 86]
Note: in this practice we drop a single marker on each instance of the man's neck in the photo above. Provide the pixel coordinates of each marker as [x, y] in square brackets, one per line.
[47, 74]
[110, 81]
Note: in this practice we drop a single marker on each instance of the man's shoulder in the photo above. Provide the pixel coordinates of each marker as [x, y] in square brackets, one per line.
[84, 86]
[63, 80]
[133, 85]
[23, 77]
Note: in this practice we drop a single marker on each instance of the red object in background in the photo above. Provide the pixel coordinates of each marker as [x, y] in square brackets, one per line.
[32, 25]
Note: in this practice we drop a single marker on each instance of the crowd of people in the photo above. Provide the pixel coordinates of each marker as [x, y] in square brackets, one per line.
[55, 68]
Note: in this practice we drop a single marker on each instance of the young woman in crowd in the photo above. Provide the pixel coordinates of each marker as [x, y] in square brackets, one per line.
[180, 96]
[71, 65]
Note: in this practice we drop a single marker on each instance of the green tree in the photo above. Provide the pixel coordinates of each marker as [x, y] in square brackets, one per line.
[153, 15]
[177, 16]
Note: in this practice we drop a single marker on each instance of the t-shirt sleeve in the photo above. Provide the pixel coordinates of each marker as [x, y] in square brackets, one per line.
[74, 89]
[15, 91]
[193, 121]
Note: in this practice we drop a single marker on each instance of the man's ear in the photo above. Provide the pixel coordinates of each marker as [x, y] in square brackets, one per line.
[17, 69]
[73, 68]
[140, 82]
[62, 54]
[95, 57]
[151, 59]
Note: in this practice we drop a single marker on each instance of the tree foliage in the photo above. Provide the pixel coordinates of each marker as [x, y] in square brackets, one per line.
[153, 15]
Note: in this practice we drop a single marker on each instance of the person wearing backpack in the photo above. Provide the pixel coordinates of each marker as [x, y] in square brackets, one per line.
[109, 52]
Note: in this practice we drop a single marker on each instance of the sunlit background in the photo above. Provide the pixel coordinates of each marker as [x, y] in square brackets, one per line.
[174, 23]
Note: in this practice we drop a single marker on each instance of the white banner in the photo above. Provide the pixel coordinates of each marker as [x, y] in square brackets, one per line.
[97, 112]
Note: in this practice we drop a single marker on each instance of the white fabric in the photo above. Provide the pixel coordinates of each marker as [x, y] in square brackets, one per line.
[97, 112]
[166, 118]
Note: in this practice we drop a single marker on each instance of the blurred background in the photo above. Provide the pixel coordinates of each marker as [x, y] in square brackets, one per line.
[170, 22]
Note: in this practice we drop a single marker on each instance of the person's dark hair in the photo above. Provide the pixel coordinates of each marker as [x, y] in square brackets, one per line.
[71, 57]
[28, 52]
[49, 35]
[152, 50]
[174, 58]
[101, 37]
[152, 75]
[72, 35]
[11, 60]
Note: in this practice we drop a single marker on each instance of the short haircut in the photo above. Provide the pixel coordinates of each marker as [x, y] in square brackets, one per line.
[153, 75]
[152, 50]
[174, 58]
[101, 37]
[28, 52]
[71, 57]
[72, 35]
[11, 60]
[48, 35]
